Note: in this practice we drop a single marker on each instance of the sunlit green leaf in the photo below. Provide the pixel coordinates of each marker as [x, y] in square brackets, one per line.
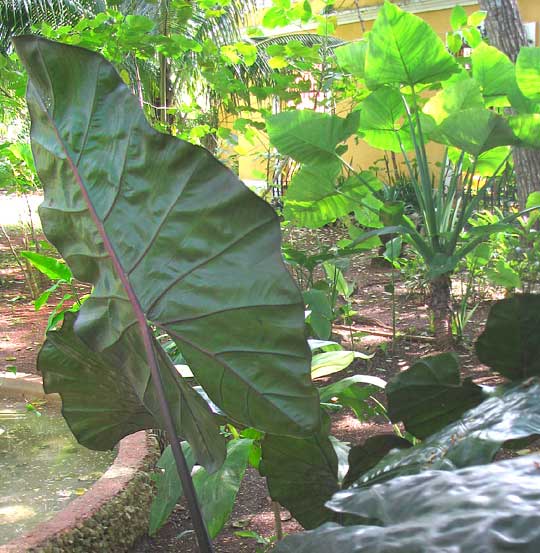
[527, 128]
[459, 95]
[458, 17]
[49, 266]
[351, 58]
[404, 49]
[475, 130]
[308, 136]
[330, 362]
[382, 119]
[493, 71]
[528, 72]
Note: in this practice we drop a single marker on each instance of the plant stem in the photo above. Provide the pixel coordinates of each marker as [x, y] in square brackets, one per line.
[277, 520]
[393, 280]
[28, 277]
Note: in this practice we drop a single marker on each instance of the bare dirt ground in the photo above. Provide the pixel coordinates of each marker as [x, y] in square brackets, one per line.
[22, 332]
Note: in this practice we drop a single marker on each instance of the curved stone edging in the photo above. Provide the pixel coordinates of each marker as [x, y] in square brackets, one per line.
[111, 515]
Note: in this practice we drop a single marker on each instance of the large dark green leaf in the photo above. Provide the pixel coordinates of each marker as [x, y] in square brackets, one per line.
[114, 409]
[473, 510]
[309, 136]
[365, 456]
[430, 395]
[169, 237]
[472, 440]
[510, 343]
[302, 474]
[404, 49]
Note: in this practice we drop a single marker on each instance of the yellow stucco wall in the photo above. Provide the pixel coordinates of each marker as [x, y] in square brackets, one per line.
[362, 155]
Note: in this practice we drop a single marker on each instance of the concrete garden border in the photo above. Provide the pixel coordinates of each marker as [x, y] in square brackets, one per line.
[112, 514]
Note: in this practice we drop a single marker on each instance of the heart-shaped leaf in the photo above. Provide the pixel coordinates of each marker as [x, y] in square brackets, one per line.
[404, 49]
[381, 121]
[430, 395]
[510, 343]
[309, 136]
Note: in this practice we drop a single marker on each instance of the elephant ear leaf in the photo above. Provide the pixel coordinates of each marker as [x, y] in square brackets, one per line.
[430, 395]
[510, 343]
[472, 440]
[404, 49]
[319, 463]
[170, 239]
[476, 509]
[100, 403]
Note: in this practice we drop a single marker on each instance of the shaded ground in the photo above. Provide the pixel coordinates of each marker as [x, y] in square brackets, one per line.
[22, 331]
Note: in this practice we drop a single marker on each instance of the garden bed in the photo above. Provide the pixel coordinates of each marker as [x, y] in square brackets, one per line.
[22, 330]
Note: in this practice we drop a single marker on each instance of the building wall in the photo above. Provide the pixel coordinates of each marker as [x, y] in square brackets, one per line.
[435, 12]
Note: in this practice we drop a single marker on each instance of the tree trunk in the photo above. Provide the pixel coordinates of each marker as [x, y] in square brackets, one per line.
[505, 31]
[440, 304]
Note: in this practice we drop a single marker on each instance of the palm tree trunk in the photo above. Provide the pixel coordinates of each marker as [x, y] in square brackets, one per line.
[440, 304]
[505, 31]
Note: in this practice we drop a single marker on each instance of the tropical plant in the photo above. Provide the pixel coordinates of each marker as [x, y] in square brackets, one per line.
[460, 424]
[61, 276]
[505, 30]
[134, 213]
[244, 445]
[433, 511]
[513, 256]
[397, 115]
[18, 16]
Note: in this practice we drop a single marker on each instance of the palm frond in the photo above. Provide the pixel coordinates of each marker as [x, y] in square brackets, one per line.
[18, 16]
[260, 72]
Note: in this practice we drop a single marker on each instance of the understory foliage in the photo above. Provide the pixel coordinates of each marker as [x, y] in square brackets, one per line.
[401, 498]
[189, 288]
